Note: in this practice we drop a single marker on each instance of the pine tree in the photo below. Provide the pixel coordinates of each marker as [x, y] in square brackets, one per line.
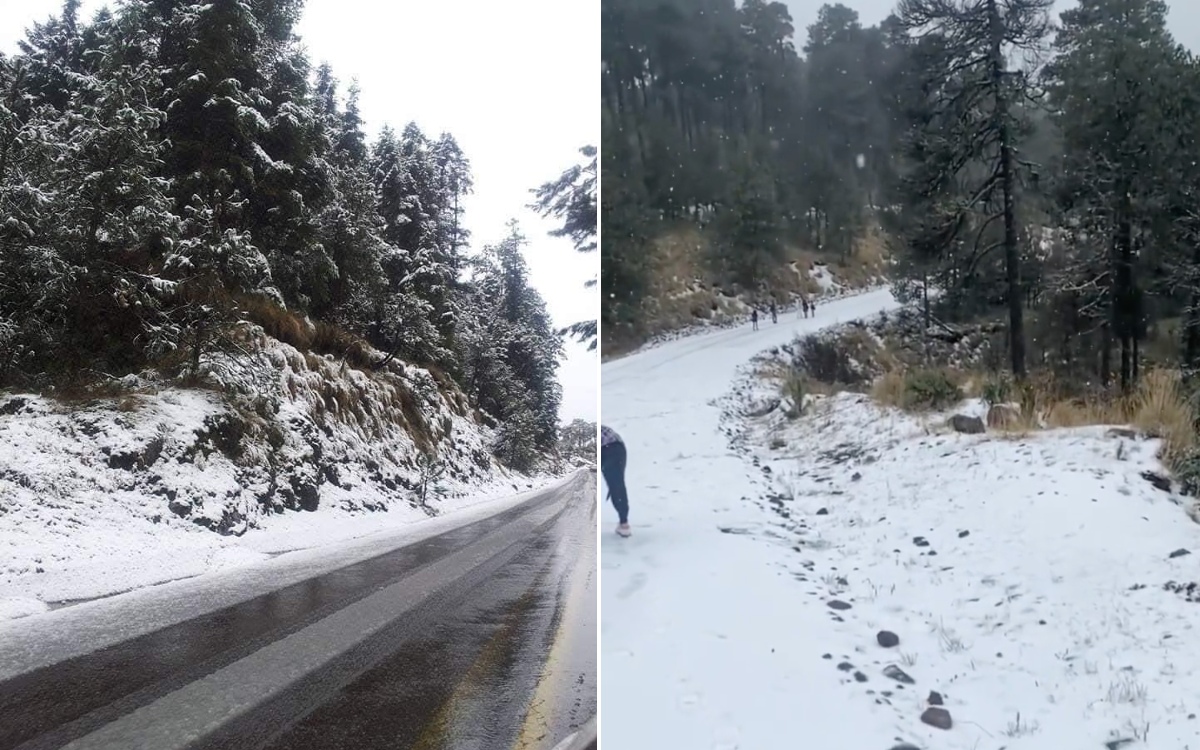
[965, 165]
[1111, 83]
[571, 200]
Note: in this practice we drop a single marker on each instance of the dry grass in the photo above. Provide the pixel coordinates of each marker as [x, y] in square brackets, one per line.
[919, 390]
[867, 261]
[1159, 406]
[297, 331]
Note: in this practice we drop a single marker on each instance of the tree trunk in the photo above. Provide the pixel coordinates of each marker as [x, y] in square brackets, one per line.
[1105, 354]
[1012, 256]
[1123, 303]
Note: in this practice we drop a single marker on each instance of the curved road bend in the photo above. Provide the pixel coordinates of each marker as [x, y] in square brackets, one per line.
[480, 638]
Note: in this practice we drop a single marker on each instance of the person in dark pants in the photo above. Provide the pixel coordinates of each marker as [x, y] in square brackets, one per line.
[774, 312]
[612, 466]
[754, 318]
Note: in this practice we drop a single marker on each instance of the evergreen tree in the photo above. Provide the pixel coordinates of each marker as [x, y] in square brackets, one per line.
[967, 134]
[571, 200]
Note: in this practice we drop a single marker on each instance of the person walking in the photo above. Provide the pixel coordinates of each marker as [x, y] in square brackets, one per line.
[754, 318]
[804, 305]
[612, 466]
[774, 312]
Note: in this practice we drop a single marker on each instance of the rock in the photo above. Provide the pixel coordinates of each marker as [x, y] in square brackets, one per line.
[1003, 416]
[845, 666]
[1158, 480]
[823, 512]
[855, 476]
[763, 408]
[887, 639]
[1179, 553]
[963, 534]
[838, 604]
[307, 492]
[966, 425]
[920, 541]
[860, 677]
[898, 674]
[937, 717]
[904, 746]
[13, 406]
[935, 698]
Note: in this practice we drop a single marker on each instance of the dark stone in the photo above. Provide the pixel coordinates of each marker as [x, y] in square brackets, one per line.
[920, 541]
[845, 666]
[860, 677]
[904, 746]
[125, 461]
[855, 477]
[1158, 480]
[13, 406]
[838, 604]
[935, 698]
[963, 534]
[1117, 744]
[1179, 553]
[307, 493]
[967, 425]
[887, 639]
[823, 512]
[898, 674]
[180, 508]
[826, 656]
[937, 717]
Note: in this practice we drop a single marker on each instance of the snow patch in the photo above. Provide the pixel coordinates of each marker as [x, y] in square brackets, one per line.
[168, 483]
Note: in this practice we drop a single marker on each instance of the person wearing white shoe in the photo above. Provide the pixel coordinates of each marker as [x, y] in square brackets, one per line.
[612, 466]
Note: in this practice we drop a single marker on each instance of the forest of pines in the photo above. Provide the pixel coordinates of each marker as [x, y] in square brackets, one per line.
[174, 167]
[1035, 167]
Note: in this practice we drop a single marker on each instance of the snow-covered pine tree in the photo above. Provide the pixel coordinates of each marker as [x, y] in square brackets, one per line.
[571, 200]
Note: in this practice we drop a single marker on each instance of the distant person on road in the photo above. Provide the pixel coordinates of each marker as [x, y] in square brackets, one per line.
[804, 305]
[774, 312]
[754, 318]
[612, 466]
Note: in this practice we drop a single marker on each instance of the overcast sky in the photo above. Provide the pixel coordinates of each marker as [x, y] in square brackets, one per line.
[514, 82]
[1183, 19]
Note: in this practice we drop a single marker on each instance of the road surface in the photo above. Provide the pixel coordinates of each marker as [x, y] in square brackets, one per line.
[695, 621]
[482, 637]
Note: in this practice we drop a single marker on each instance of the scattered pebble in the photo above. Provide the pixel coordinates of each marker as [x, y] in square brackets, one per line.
[887, 639]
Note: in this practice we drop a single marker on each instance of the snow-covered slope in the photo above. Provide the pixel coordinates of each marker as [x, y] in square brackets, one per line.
[292, 450]
[1023, 577]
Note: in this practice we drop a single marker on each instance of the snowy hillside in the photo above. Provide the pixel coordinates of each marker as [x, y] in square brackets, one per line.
[859, 578]
[159, 483]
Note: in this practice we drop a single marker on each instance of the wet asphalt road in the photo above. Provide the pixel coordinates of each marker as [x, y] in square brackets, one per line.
[481, 638]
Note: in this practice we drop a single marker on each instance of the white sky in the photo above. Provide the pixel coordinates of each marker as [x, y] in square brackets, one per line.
[514, 82]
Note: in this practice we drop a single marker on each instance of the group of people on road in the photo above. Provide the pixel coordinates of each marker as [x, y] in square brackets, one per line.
[806, 307]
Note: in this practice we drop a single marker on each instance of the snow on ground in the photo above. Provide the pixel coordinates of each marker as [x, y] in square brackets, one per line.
[105, 497]
[1023, 576]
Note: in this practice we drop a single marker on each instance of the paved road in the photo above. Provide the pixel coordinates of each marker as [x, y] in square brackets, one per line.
[483, 637]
